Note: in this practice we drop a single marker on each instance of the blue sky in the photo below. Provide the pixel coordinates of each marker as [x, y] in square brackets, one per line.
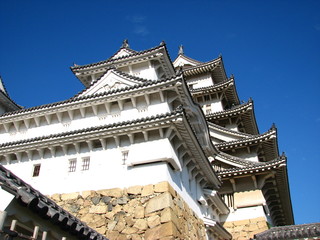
[271, 47]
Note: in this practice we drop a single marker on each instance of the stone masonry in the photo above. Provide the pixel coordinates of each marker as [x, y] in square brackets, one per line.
[148, 212]
[246, 229]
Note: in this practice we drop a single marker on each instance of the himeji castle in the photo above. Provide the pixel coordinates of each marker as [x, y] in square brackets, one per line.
[150, 149]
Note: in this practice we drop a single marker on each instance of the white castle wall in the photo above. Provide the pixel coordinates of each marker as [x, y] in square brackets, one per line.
[108, 170]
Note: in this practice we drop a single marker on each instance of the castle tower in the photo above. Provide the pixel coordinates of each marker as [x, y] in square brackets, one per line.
[152, 149]
[254, 175]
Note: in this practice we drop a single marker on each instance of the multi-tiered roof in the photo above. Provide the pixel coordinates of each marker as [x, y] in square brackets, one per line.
[245, 155]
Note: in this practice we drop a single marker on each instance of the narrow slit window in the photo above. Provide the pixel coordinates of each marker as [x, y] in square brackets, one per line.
[36, 170]
[85, 163]
[72, 165]
[125, 156]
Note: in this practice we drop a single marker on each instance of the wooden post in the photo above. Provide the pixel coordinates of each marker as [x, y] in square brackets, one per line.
[35, 232]
[13, 225]
[3, 216]
[44, 236]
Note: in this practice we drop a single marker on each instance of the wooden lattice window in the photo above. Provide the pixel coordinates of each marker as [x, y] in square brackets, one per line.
[85, 163]
[72, 165]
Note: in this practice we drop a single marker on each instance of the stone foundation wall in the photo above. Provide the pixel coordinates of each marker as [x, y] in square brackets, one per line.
[245, 229]
[149, 212]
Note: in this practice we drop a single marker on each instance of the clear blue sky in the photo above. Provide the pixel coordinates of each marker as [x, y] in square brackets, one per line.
[272, 48]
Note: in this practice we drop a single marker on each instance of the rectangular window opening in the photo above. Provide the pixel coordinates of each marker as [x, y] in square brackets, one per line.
[124, 156]
[85, 163]
[72, 165]
[36, 170]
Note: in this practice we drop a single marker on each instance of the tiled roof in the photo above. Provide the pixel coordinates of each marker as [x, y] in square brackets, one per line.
[45, 207]
[248, 141]
[236, 110]
[5, 96]
[303, 231]
[112, 60]
[238, 160]
[123, 74]
[203, 67]
[259, 167]
[177, 111]
[226, 130]
[213, 88]
[76, 98]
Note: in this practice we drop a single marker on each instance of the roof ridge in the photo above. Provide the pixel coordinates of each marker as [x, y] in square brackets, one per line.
[263, 165]
[75, 98]
[235, 159]
[232, 109]
[204, 64]
[110, 59]
[242, 140]
[229, 130]
[221, 84]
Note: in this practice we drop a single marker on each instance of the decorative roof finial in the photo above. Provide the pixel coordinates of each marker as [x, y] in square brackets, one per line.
[181, 52]
[125, 44]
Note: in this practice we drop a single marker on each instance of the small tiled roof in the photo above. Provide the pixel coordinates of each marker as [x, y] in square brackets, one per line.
[237, 160]
[235, 110]
[45, 207]
[5, 98]
[213, 88]
[123, 74]
[303, 231]
[249, 140]
[112, 60]
[246, 110]
[258, 167]
[226, 130]
[203, 67]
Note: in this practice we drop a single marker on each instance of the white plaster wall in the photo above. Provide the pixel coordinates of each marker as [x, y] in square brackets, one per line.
[233, 127]
[215, 106]
[6, 199]
[204, 80]
[142, 70]
[188, 189]
[106, 170]
[79, 123]
[245, 213]
[225, 137]
[249, 156]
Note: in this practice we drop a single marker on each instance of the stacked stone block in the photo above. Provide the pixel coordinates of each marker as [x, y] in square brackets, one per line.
[246, 229]
[148, 212]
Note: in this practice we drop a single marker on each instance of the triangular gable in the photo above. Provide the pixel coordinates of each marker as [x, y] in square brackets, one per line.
[182, 60]
[110, 80]
[123, 52]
